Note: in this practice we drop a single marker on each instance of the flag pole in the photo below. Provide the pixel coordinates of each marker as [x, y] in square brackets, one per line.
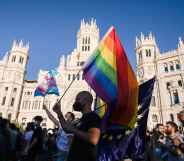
[43, 100]
[69, 86]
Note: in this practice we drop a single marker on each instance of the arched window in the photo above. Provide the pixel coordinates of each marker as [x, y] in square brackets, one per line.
[15, 90]
[178, 67]
[82, 48]
[73, 76]
[68, 76]
[78, 76]
[4, 100]
[88, 40]
[140, 57]
[171, 66]
[83, 41]
[180, 83]
[168, 84]
[149, 52]
[176, 97]
[13, 58]
[21, 59]
[166, 67]
[12, 101]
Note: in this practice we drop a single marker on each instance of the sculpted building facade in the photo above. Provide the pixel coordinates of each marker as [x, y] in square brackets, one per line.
[168, 95]
[17, 101]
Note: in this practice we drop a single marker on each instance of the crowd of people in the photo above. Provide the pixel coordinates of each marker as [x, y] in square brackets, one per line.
[166, 142]
[77, 140]
[72, 140]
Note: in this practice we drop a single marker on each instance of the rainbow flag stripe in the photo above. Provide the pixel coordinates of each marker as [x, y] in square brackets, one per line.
[110, 75]
[100, 107]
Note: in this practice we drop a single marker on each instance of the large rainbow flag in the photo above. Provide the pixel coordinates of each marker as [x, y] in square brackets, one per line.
[110, 75]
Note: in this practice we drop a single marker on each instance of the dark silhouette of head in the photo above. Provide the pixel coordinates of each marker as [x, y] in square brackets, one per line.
[38, 119]
[83, 101]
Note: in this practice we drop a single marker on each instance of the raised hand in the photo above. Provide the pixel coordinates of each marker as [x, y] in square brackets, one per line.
[57, 108]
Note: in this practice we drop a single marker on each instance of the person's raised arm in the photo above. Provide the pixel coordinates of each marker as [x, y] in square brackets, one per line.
[51, 117]
[57, 110]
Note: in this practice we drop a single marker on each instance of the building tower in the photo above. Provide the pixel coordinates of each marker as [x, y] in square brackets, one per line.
[87, 38]
[146, 55]
[12, 79]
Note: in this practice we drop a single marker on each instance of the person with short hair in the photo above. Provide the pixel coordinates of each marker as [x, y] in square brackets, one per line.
[35, 146]
[87, 132]
[63, 139]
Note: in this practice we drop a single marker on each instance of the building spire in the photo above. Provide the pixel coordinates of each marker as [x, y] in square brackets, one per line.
[180, 43]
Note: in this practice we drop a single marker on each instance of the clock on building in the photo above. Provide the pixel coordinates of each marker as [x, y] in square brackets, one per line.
[140, 72]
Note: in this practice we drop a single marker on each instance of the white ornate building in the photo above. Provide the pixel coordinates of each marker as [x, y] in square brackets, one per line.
[168, 95]
[12, 76]
[17, 94]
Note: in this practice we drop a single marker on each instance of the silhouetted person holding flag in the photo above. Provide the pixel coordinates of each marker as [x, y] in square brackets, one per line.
[87, 131]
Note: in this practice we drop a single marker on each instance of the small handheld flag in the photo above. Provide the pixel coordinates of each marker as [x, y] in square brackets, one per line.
[47, 85]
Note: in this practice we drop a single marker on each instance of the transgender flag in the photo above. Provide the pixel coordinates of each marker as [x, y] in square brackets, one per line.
[47, 84]
[109, 74]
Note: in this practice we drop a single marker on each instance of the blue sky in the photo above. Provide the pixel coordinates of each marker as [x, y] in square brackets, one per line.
[50, 26]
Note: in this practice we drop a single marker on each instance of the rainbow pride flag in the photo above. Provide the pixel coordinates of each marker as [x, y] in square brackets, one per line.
[109, 74]
[100, 107]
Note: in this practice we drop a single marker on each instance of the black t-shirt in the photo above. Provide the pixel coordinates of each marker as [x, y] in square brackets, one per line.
[37, 134]
[81, 150]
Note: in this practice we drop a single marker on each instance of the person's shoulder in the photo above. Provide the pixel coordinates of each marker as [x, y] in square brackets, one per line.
[93, 115]
[38, 129]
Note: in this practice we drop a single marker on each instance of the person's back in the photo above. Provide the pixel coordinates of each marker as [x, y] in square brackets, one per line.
[35, 146]
[37, 134]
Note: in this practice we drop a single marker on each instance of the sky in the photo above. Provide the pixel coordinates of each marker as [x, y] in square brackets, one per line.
[50, 26]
